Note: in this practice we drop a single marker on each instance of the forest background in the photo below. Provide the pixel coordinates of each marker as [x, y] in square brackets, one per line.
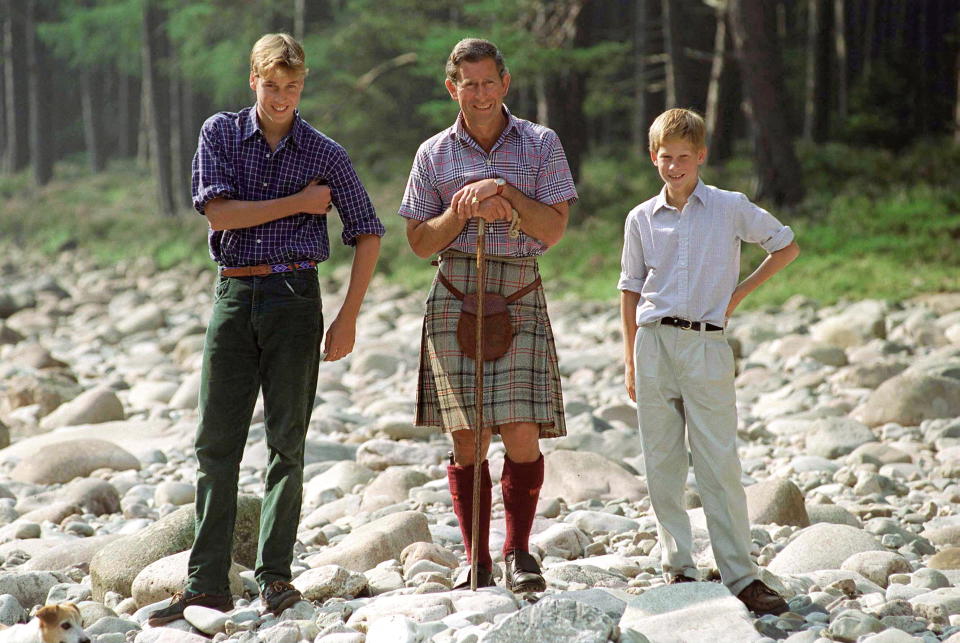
[840, 116]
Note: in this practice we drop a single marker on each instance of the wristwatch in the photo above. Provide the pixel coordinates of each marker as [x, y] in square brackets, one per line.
[501, 183]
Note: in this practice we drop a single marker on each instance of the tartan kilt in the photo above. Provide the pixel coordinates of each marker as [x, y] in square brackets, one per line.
[523, 385]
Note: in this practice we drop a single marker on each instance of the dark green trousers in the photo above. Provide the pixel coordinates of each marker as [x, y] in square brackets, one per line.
[265, 332]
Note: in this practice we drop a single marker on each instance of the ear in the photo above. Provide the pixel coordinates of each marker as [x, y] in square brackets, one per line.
[72, 608]
[48, 614]
[451, 88]
[506, 83]
[253, 81]
[702, 155]
[653, 157]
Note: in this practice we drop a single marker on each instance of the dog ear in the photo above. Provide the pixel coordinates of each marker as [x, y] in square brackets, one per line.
[71, 607]
[48, 614]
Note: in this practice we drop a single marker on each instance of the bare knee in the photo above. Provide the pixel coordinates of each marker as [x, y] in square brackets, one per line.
[464, 446]
[522, 441]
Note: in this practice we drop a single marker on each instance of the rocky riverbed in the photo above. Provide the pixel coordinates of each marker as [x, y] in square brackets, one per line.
[850, 442]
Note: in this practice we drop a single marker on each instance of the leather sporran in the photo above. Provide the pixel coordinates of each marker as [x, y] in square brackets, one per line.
[497, 324]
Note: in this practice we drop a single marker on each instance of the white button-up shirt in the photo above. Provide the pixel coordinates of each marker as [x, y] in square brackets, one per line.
[686, 263]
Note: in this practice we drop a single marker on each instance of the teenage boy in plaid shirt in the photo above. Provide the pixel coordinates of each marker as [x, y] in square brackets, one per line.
[513, 174]
[258, 176]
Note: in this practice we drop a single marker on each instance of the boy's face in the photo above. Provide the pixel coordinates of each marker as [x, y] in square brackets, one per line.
[678, 161]
[480, 91]
[278, 95]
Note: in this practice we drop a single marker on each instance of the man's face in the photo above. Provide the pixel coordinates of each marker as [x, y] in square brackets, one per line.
[678, 162]
[479, 91]
[278, 95]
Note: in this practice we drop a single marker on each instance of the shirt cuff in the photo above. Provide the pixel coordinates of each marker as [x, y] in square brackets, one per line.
[778, 241]
[208, 194]
[630, 283]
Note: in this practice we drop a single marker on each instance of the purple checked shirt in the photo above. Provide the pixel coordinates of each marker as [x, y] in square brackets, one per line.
[234, 161]
[530, 158]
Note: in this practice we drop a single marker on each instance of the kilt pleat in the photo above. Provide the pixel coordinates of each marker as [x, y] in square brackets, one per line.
[521, 386]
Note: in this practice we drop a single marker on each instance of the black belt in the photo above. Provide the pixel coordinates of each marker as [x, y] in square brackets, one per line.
[685, 324]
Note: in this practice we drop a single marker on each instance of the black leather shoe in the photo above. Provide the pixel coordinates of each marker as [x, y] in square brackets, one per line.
[523, 573]
[278, 596]
[484, 578]
[181, 600]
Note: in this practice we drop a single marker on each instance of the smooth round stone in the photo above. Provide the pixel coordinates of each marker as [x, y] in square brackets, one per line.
[927, 578]
[207, 620]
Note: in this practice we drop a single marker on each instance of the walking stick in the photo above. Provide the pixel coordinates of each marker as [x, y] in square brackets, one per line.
[478, 412]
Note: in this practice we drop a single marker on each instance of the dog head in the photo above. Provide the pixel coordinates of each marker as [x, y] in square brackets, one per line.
[61, 624]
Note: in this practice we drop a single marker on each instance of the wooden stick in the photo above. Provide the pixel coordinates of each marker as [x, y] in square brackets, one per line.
[478, 412]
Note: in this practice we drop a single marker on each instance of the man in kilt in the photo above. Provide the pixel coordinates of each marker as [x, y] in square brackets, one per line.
[514, 175]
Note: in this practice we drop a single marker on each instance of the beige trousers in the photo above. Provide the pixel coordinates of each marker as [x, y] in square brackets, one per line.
[685, 381]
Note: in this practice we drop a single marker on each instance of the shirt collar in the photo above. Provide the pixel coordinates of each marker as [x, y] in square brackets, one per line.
[700, 192]
[459, 129]
[250, 126]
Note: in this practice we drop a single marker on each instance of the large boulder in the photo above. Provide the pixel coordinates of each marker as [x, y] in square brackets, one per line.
[834, 437]
[390, 487]
[375, 542]
[69, 554]
[90, 407]
[161, 578]
[114, 570]
[30, 588]
[689, 612]
[93, 495]
[73, 459]
[555, 620]
[910, 398]
[807, 551]
[581, 476]
[776, 501]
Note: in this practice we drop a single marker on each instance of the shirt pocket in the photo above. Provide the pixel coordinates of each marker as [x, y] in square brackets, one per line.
[663, 249]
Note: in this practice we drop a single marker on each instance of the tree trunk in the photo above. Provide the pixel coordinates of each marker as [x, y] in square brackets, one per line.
[956, 106]
[723, 97]
[17, 151]
[91, 130]
[758, 52]
[124, 137]
[840, 51]
[639, 123]
[299, 19]
[178, 186]
[671, 45]
[41, 154]
[143, 123]
[564, 94]
[158, 126]
[816, 111]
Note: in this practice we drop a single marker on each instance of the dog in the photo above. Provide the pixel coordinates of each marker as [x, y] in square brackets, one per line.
[51, 624]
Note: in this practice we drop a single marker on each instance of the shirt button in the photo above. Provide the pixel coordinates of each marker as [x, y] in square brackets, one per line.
[265, 184]
[267, 154]
[258, 240]
[489, 161]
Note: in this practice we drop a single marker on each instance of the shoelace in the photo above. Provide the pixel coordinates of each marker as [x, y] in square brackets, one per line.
[278, 586]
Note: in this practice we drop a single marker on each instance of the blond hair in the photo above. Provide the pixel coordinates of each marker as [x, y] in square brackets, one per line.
[277, 50]
[684, 124]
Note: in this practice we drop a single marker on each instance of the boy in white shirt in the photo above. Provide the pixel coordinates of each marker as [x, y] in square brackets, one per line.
[678, 283]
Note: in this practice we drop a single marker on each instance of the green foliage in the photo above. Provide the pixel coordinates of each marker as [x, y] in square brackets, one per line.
[102, 33]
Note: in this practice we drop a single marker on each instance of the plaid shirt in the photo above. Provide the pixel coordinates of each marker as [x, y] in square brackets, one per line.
[530, 158]
[234, 161]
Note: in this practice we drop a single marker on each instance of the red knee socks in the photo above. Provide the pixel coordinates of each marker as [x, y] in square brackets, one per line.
[461, 490]
[521, 484]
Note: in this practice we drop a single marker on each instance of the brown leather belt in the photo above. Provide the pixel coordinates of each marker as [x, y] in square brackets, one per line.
[267, 269]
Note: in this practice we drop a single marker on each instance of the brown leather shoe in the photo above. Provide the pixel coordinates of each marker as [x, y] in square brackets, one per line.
[760, 599]
[523, 573]
[680, 578]
[278, 595]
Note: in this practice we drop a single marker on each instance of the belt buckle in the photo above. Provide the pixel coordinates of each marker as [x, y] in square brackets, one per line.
[686, 324]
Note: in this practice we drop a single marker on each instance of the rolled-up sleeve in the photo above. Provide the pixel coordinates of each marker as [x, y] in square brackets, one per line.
[555, 181]
[421, 199]
[351, 199]
[756, 225]
[212, 174]
[633, 269]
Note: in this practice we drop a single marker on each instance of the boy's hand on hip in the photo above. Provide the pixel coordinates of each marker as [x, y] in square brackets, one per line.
[316, 198]
[339, 340]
